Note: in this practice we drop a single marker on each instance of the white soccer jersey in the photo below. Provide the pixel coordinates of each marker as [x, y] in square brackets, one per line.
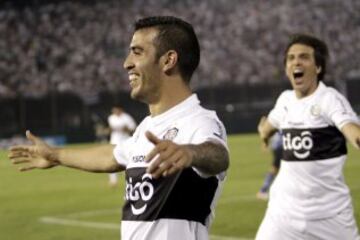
[117, 123]
[310, 184]
[179, 206]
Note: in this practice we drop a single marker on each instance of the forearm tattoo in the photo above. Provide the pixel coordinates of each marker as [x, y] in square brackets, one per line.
[211, 158]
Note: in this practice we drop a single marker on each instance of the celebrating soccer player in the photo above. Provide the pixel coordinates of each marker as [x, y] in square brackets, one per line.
[309, 198]
[176, 160]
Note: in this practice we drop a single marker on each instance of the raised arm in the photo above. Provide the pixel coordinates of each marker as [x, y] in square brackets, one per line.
[266, 130]
[168, 157]
[352, 133]
[42, 156]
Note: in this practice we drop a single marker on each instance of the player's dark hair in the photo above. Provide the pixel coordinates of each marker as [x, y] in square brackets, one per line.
[178, 35]
[320, 50]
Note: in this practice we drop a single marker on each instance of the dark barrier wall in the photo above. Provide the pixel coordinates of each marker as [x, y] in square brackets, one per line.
[238, 106]
[62, 114]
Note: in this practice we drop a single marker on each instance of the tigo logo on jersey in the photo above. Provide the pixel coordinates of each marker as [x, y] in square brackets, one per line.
[301, 145]
[140, 191]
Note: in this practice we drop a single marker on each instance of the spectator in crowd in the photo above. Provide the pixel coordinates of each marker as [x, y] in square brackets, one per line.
[74, 46]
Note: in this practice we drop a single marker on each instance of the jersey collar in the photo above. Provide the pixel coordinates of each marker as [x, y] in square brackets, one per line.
[179, 109]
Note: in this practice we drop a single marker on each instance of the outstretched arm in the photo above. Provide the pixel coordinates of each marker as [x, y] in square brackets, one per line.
[168, 157]
[266, 130]
[42, 156]
[352, 133]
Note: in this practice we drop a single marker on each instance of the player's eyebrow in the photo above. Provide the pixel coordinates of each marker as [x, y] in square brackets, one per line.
[301, 54]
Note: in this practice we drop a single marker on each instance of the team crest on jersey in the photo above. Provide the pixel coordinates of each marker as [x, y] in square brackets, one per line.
[171, 133]
[315, 110]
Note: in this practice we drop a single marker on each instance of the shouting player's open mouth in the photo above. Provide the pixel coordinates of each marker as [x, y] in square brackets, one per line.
[298, 74]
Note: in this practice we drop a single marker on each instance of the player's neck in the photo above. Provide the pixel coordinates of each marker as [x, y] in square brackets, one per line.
[303, 93]
[172, 94]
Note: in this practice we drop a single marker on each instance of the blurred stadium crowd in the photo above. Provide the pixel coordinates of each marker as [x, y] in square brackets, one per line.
[79, 46]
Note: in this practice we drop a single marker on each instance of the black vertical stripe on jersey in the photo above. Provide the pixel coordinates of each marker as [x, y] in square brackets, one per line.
[190, 198]
[328, 143]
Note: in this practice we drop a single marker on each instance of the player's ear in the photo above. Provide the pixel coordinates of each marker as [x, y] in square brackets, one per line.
[318, 69]
[169, 60]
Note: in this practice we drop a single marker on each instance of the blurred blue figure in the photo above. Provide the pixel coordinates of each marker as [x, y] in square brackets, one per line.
[276, 149]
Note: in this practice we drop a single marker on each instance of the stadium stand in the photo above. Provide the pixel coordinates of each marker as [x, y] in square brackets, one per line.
[78, 47]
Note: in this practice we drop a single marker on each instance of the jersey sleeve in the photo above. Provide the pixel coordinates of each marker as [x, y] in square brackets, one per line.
[277, 113]
[338, 110]
[120, 152]
[209, 129]
[131, 124]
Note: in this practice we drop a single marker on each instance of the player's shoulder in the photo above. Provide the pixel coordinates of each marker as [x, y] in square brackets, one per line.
[287, 93]
[208, 119]
[329, 94]
[204, 114]
[144, 122]
[285, 96]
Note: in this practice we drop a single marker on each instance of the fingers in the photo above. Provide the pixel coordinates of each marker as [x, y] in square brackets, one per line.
[162, 165]
[164, 147]
[18, 148]
[27, 168]
[262, 121]
[18, 151]
[264, 146]
[32, 137]
[152, 138]
[176, 166]
[27, 165]
[159, 156]
[166, 157]
[358, 142]
[20, 160]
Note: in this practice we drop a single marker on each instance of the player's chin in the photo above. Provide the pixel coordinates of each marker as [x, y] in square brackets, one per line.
[136, 95]
[297, 85]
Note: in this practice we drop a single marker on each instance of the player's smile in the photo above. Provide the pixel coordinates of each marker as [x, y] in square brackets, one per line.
[133, 78]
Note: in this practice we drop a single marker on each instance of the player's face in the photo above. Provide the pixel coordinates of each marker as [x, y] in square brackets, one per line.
[142, 66]
[302, 70]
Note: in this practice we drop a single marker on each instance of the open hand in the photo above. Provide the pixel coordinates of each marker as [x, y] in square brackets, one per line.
[167, 157]
[39, 155]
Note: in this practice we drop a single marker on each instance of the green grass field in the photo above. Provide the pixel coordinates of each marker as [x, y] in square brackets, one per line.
[62, 203]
